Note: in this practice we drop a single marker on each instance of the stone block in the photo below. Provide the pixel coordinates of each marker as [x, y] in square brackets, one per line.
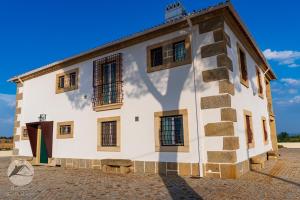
[231, 143]
[219, 129]
[215, 74]
[225, 86]
[184, 169]
[221, 156]
[218, 101]
[214, 49]
[228, 114]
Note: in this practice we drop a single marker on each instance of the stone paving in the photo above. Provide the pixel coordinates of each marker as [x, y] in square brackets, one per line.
[280, 180]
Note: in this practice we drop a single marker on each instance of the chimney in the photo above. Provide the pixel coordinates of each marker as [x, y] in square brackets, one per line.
[174, 11]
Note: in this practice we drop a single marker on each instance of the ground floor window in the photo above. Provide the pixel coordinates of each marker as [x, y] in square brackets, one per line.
[249, 129]
[65, 130]
[109, 134]
[264, 128]
[171, 131]
[24, 135]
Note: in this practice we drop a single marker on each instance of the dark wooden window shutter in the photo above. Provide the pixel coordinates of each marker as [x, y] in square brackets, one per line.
[249, 131]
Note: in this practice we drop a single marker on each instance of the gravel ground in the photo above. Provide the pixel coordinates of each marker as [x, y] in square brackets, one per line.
[280, 180]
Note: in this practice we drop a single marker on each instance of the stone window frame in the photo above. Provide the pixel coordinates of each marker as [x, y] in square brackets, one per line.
[243, 82]
[65, 123]
[248, 113]
[116, 148]
[264, 128]
[170, 64]
[259, 82]
[157, 125]
[23, 128]
[66, 88]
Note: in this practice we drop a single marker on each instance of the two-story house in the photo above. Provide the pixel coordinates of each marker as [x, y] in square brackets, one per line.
[190, 96]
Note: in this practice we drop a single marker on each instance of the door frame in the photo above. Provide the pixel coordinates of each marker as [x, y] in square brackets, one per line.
[38, 147]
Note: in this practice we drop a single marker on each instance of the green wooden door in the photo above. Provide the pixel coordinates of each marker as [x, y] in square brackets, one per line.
[43, 153]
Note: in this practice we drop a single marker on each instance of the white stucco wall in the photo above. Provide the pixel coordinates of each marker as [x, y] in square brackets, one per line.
[248, 99]
[144, 94]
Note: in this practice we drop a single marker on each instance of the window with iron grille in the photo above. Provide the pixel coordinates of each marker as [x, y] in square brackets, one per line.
[179, 51]
[156, 57]
[108, 81]
[65, 129]
[249, 130]
[265, 130]
[73, 79]
[61, 82]
[109, 133]
[171, 131]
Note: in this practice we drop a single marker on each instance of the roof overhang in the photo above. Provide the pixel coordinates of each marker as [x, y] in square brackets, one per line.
[225, 9]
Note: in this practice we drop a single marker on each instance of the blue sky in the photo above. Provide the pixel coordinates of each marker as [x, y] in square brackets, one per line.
[34, 33]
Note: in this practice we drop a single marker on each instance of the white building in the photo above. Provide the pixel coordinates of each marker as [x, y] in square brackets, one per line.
[189, 96]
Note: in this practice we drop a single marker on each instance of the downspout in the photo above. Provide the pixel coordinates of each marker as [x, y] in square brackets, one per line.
[195, 92]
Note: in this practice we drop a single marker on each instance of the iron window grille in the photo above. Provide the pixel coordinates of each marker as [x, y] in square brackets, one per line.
[107, 82]
[65, 129]
[179, 51]
[156, 57]
[171, 131]
[109, 133]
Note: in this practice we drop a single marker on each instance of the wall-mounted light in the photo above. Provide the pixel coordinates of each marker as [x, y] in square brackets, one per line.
[42, 117]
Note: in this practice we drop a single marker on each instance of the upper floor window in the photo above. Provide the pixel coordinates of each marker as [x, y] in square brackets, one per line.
[169, 54]
[259, 83]
[65, 130]
[107, 83]
[156, 57]
[67, 81]
[243, 66]
[179, 51]
[249, 129]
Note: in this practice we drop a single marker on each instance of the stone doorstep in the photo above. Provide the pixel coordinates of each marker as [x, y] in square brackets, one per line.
[117, 162]
[257, 166]
[258, 159]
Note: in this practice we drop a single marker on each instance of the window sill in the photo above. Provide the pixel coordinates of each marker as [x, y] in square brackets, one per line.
[62, 90]
[261, 95]
[251, 146]
[169, 65]
[245, 83]
[108, 107]
[109, 149]
[64, 136]
[172, 149]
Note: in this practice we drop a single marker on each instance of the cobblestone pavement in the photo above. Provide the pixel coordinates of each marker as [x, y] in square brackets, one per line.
[280, 180]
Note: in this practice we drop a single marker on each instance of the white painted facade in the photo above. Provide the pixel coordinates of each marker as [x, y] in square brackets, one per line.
[144, 94]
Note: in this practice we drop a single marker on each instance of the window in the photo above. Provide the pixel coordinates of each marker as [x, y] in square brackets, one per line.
[67, 81]
[265, 130]
[24, 135]
[109, 134]
[73, 79]
[249, 129]
[259, 83]
[169, 54]
[65, 130]
[107, 83]
[179, 51]
[156, 57]
[61, 83]
[171, 131]
[243, 67]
